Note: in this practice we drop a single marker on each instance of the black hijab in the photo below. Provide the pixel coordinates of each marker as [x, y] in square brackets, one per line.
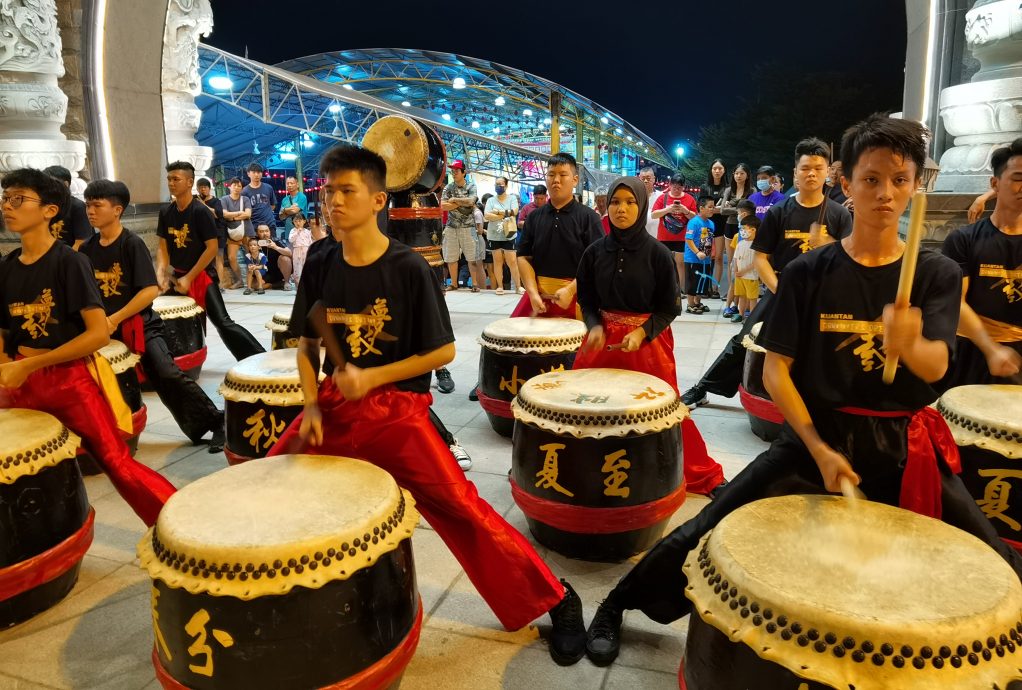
[630, 238]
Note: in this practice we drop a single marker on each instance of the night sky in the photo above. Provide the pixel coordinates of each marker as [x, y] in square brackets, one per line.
[668, 68]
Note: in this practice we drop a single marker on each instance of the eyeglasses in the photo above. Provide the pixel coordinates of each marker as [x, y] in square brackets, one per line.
[16, 200]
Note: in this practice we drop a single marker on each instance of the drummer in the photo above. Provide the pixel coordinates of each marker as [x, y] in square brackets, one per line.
[551, 243]
[51, 323]
[124, 274]
[628, 293]
[826, 347]
[375, 405]
[990, 255]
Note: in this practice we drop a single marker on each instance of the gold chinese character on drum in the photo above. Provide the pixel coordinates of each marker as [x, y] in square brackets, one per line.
[596, 464]
[292, 572]
[279, 327]
[821, 592]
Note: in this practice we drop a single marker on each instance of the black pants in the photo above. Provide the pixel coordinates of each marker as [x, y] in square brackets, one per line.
[656, 585]
[239, 341]
[446, 435]
[725, 374]
[191, 408]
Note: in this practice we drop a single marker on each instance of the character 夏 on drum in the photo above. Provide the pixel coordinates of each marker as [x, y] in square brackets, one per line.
[833, 327]
[384, 307]
[51, 322]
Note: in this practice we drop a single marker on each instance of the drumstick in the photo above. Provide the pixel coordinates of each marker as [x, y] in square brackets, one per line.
[849, 490]
[908, 268]
[618, 346]
[317, 317]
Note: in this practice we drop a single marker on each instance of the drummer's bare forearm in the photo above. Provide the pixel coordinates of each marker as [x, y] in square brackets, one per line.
[142, 299]
[308, 369]
[527, 274]
[766, 271]
[94, 337]
[971, 327]
[927, 359]
[777, 380]
[413, 366]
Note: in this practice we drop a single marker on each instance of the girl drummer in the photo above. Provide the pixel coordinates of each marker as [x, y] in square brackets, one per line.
[628, 293]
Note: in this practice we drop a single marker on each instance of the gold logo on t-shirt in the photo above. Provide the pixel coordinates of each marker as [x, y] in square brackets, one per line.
[109, 280]
[1010, 282]
[57, 229]
[180, 236]
[365, 327]
[802, 237]
[865, 333]
[36, 314]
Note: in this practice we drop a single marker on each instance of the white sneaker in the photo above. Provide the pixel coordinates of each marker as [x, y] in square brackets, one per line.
[461, 455]
[521, 290]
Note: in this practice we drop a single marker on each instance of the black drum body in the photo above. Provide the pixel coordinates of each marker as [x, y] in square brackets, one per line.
[283, 340]
[253, 427]
[594, 472]
[764, 417]
[186, 340]
[501, 374]
[301, 640]
[991, 479]
[416, 220]
[37, 513]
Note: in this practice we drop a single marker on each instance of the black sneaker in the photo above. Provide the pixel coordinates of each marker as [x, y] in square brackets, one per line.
[568, 636]
[603, 641]
[695, 397]
[444, 382]
[474, 394]
[216, 443]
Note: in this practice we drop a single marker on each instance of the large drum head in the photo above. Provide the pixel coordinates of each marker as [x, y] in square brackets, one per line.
[176, 307]
[542, 336]
[121, 359]
[986, 416]
[33, 441]
[269, 377]
[860, 594]
[403, 144]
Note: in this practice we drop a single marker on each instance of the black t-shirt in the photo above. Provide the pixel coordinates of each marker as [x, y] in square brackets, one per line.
[273, 274]
[186, 233]
[121, 269]
[992, 261]
[784, 231]
[216, 206]
[73, 225]
[41, 303]
[554, 239]
[827, 316]
[381, 313]
[836, 194]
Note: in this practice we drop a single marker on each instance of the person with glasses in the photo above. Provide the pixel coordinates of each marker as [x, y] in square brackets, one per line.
[51, 324]
[551, 244]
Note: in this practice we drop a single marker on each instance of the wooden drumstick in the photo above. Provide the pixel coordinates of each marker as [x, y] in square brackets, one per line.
[908, 269]
[849, 490]
[317, 317]
[618, 346]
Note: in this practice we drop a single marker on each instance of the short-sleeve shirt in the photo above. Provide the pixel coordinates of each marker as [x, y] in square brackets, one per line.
[461, 216]
[273, 274]
[765, 201]
[242, 204]
[73, 225]
[260, 263]
[700, 232]
[263, 199]
[494, 228]
[662, 202]
[827, 316]
[287, 202]
[382, 313]
[784, 232]
[653, 224]
[992, 261]
[41, 303]
[554, 239]
[121, 270]
[186, 233]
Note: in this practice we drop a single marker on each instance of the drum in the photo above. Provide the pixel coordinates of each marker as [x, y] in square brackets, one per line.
[986, 422]
[596, 463]
[184, 328]
[295, 572]
[414, 152]
[46, 523]
[123, 361]
[812, 592]
[281, 336]
[764, 417]
[416, 220]
[262, 396]
[515, 350]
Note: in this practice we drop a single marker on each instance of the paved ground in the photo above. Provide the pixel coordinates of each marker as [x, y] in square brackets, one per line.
[101, 636]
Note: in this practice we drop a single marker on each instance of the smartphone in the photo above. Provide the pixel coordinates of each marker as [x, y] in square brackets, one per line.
[264, 243]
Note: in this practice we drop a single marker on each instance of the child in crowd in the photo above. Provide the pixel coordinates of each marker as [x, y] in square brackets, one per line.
[317, 229]
[743, 268]
[698, 247]
[255, 263]
[744, 209]
[300, 238]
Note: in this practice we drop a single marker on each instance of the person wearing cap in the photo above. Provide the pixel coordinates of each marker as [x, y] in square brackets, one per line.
[459, 200]
[262, 198]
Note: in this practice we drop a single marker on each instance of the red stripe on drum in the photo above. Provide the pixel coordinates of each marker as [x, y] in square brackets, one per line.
[587, 520]
[501, 408]
[48, 565]
[415, 213]
[760, 407]
[235, 459]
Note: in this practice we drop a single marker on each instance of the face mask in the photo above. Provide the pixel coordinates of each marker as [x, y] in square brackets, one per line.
[762, 185]
[828, 181]
[745, 233]
[499, 189]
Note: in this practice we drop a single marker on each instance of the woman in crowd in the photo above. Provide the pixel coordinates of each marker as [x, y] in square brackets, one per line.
[716, 185]
[741, 187]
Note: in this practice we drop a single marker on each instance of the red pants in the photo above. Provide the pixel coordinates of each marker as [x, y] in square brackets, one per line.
[68, 392]
[391, 429]
[702, 473]
[547, 286]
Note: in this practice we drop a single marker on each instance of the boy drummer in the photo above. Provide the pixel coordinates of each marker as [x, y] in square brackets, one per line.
[386, 311]
[831, 330]
[51, 323]
[127, 282]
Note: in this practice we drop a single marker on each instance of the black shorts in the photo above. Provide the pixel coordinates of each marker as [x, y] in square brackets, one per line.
[730, 230]
[676, 246]
[692, 271]
[719, 224]
[506, 245]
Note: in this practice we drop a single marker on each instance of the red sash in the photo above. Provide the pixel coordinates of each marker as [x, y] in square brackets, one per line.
[655, 357]
[197, 290]
[133, 334]
[927, 433]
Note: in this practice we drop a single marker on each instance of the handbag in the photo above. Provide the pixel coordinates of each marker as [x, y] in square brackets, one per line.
[236, 231]
[510, 227]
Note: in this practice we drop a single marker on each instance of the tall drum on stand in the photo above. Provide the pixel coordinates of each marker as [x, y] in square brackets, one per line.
[279, 327]
[46, 524]
[764, 417]
[293, 572]
[597, 460]
[416, 169]
[184, 328]
[814, 592]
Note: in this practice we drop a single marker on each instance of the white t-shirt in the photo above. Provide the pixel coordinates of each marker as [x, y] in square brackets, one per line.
[745, 257]
[652, 224]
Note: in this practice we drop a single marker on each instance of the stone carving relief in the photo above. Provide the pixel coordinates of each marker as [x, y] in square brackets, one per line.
[29, 40]
[187, 20]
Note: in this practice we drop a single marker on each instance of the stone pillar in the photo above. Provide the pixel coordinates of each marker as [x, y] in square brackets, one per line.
[187, 20]
[32, 106]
